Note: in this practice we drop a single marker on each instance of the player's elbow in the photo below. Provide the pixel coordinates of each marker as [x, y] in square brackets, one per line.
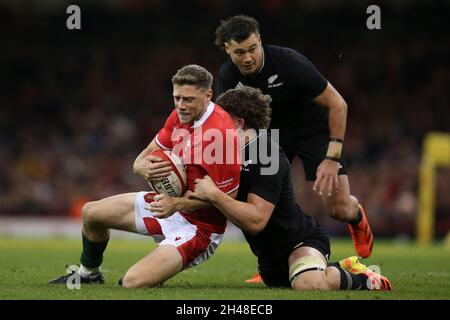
[343, 104]
[255, 227]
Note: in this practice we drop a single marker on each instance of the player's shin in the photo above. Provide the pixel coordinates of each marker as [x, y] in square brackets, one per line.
[92, 256]
[350, 281]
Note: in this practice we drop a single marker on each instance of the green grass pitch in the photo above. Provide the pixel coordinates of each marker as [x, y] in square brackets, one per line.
[27, 264]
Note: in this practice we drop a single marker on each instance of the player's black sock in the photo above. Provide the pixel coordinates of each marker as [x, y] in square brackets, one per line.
[357, 219]
[92, 255]
[351, 281]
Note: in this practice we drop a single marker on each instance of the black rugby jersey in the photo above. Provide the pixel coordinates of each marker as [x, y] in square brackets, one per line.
[293, 82]
[287, 225]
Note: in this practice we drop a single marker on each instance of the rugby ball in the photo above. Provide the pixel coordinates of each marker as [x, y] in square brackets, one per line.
[175, 183]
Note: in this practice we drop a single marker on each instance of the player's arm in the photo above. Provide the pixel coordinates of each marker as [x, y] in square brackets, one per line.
[150, 167]
[308, 78]
[251, 216]
[337, 117]
[305, 76]
[186, 203]
[164, 206]
[327, 172]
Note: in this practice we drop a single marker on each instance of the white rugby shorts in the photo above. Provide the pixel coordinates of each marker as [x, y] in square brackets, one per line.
[194, 244]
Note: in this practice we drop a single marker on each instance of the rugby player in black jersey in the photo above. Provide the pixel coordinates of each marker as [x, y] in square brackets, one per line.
[309, 112]
[291, 247]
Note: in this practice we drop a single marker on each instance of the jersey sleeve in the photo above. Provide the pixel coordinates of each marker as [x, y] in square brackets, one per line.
[305, 75]
[267, 187]
[164, 137]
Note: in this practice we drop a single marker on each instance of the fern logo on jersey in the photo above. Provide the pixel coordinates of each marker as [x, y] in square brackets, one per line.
[271, 80]
[239, 85]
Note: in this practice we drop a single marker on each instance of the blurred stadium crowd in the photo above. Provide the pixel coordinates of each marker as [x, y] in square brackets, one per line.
[76, 107]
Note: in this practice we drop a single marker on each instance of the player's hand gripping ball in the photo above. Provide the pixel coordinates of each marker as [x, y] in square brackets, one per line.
[175, 183]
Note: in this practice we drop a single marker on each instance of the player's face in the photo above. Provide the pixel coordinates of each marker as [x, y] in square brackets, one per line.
[190, 102]
[246, 55]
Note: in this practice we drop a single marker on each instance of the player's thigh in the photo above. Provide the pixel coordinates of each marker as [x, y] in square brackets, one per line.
[306, 269]
[159, 265]
[116, 212]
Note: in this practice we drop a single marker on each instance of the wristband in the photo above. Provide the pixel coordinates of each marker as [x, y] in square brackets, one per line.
[337, 140]
[335, 149]
[333, 158]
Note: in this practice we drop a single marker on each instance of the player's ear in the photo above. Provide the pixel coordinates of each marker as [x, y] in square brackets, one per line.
[209, 94]
[226, 46]
[240, 123]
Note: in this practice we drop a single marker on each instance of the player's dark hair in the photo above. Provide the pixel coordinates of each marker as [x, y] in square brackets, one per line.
[237, 28]
[249, 104]
[194, 75]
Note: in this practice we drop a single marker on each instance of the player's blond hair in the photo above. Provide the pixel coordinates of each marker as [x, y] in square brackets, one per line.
[194, 75]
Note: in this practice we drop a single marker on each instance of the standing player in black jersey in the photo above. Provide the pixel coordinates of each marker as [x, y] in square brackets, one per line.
[291, 247]
[309, 112]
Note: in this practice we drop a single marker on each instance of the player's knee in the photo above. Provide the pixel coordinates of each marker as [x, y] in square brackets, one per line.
[89, 213]
[310, 282]
[129, 281]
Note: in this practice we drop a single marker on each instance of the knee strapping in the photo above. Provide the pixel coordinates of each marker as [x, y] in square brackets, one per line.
[304, 264]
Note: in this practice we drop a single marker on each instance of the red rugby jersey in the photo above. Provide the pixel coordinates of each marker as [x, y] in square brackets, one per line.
[208, 147]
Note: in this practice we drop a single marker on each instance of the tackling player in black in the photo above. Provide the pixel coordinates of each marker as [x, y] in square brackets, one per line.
[291, 247]
[309, 112]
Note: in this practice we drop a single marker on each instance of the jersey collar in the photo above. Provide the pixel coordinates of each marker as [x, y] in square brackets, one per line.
[205, 116]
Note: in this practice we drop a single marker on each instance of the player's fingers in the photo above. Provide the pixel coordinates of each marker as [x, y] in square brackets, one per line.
[153, 158]
[155, 205]
[192, 195]
[158, 214]
[160, 165]
[336, 183]
[317, 182]
[151, 208]
[156, 176]
[160, 169]
[323, 185]
[330, 186]
[158, 197]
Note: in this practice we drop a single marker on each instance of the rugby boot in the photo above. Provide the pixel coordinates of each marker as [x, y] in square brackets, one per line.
[256, 278]
[375, 281]
[362, 236]
[96, 278]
